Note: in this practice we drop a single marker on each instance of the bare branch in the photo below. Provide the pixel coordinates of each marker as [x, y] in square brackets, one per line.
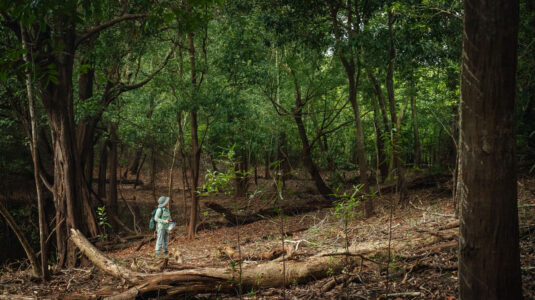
[322, 133]
[125, 88]
[87, 33]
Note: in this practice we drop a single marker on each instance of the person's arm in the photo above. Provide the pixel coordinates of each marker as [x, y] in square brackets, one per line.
[158, 215]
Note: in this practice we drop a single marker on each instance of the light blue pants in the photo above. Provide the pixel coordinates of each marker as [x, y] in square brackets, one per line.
[162, 240]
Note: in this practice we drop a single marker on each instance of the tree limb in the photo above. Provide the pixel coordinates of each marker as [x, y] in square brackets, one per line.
[87, 33]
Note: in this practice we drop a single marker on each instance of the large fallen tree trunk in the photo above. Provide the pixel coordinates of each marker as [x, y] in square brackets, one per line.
[419, 182]
[241, 219]
[269, 274]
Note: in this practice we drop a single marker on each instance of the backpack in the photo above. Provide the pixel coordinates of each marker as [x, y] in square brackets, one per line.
[152, 222]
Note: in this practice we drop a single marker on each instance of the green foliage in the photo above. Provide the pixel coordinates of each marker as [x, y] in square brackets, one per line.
[348, 202]
[102, 219]
[216, 181]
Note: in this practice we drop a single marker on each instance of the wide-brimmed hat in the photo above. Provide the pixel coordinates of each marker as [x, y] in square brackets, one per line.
[163, 201]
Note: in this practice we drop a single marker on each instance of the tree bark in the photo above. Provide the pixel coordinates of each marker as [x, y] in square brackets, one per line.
[489, 260]
[195, 146]
[195, 168]
[135, 164]
[324, 190]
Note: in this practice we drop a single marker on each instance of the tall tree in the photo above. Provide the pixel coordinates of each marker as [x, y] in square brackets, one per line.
[56, 37]
[350, 57]
[489, 262]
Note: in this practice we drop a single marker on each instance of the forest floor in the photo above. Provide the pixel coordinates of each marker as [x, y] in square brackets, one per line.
[427, 272]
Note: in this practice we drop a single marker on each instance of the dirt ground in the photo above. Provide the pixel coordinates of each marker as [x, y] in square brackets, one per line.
[419, 273]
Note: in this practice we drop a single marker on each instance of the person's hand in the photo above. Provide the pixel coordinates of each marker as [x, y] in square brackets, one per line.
[167, 221]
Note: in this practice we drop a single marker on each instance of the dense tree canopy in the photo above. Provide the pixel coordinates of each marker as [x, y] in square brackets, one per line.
[322, 88]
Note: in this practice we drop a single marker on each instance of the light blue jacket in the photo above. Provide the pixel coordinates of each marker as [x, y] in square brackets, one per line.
[162, 215]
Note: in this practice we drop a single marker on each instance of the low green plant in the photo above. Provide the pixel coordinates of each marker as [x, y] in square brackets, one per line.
[102, 218]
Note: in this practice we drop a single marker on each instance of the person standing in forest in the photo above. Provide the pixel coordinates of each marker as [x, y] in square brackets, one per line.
[162, 218]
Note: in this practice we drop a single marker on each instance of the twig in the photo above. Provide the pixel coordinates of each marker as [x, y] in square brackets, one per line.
[406, 294]
[433, 213]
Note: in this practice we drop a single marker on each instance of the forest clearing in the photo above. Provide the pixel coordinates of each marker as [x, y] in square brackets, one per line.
[423, 262]
[267, 149]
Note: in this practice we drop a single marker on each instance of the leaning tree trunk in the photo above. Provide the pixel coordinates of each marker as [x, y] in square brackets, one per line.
[489, 260]
[324, 190]
[30, 254]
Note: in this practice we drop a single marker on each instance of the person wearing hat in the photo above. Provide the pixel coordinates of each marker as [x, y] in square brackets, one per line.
[162, 218]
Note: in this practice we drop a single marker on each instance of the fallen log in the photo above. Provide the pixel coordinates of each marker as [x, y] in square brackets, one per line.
[264, 275]
[419, 182]
[120, 243]
[102, 261]
[123, 181]
[239, 219]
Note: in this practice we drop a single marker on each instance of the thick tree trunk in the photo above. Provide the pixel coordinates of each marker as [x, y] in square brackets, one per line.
[85, 134]
[64, 174]
[135, 164]
[489, 260]
[69, 188]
